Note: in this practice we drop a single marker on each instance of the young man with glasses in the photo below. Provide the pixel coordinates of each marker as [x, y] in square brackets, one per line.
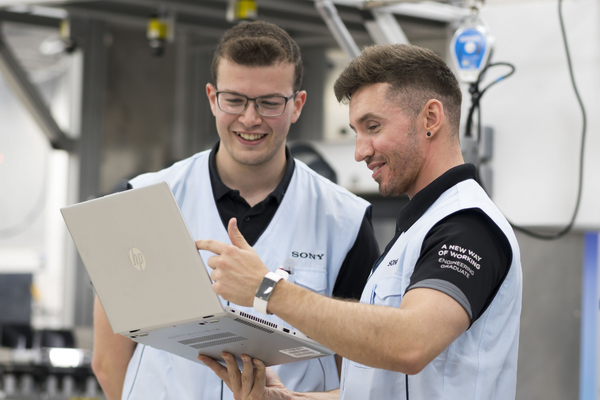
[283, 208]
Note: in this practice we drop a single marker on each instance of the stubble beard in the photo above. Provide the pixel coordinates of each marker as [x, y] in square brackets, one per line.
[402, 178]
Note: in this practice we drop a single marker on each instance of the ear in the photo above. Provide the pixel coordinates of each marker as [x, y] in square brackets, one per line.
[433, 116]
[299, 101]
[211, 92]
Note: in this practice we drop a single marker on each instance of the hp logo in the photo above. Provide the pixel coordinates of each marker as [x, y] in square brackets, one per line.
[137, 259]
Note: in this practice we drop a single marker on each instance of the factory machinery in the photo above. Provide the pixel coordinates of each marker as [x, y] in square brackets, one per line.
[43, 364]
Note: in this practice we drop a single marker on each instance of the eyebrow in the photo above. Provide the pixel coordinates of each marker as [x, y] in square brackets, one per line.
[368, 116]
[263, 95]
[365, 117]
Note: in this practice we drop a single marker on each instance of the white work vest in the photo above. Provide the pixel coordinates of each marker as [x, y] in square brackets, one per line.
[482, 362]
[315, 225]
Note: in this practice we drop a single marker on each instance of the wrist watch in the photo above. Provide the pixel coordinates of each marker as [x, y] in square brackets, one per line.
[264, 291]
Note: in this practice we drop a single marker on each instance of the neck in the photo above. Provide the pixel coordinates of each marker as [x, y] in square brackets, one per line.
[441, 156]
[254, 182]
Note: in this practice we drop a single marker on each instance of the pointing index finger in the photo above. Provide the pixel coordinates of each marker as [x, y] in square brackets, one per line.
[214, 246]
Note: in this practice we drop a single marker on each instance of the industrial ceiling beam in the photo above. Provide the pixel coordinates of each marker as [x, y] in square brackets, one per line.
[428, 10]
[384, 27]
[19, 82]
[339, 31]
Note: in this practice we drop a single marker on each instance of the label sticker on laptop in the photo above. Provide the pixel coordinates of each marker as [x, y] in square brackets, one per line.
[301, 352]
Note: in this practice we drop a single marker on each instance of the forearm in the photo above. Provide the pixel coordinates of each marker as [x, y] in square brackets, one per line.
[330, 324]
[397, 339]
[111, 355]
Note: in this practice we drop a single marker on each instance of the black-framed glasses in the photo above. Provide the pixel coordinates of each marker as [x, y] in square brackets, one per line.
[267, 106]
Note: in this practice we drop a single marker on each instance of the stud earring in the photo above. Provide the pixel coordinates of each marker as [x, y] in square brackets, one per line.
[428, 134]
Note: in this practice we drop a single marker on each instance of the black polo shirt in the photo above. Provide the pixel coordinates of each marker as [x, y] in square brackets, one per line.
[465, 255]
[253, 221]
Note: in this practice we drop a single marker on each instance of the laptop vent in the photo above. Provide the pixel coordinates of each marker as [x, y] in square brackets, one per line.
[262, 321]
[262, 328]
[206, 338]
[218, 342]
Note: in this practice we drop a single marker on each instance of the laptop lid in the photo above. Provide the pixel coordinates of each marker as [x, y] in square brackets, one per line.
[141, 259]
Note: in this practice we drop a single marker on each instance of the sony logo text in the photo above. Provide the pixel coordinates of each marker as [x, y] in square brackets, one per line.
[310, 256]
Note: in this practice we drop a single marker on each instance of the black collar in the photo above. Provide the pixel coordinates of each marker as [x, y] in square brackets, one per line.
[220, 189]
[421, 202]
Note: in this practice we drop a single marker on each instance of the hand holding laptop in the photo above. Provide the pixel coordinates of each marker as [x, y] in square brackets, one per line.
[255, 381]
[238, 271]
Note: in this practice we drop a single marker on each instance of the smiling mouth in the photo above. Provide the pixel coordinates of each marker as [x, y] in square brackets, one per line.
[250, 137]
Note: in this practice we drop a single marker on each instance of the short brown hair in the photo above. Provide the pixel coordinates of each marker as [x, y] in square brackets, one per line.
[415, 75]
[258, 44]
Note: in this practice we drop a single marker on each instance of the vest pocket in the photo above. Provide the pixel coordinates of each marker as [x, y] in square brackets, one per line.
[311, 278]
[388, 291]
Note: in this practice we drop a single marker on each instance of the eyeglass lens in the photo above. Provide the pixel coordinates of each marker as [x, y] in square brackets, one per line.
[267, 106]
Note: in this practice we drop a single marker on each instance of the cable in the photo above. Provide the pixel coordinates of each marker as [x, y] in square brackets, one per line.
[476, 99]
[476, 95]
[136, 372]
[569, 226]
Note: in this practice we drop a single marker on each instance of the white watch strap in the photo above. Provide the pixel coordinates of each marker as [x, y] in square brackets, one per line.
[284, 274]
[260, 305]
[261, 298]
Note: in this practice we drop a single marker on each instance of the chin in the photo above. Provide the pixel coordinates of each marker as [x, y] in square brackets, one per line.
[387, 191]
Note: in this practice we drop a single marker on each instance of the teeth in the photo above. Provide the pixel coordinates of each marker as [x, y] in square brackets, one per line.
[246, 136]
[376, 168]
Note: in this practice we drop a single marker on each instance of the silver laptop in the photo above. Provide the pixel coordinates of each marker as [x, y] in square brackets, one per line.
[155, 289]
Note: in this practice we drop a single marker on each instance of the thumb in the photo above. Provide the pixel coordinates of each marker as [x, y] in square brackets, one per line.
[236, 237]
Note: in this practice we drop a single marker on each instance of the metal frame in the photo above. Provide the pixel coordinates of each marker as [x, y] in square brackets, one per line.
[384, 28]
[335, 24]
[590, 316]
[17, 79]
[90, 34]
[380, 21]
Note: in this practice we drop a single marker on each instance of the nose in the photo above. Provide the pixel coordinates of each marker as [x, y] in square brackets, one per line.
[250, 116]
[364, 148]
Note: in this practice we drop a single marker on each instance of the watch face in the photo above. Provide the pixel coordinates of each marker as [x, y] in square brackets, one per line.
[265, 289]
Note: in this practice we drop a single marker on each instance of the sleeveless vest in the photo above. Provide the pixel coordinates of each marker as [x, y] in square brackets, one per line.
[315, 226]
[482, 362]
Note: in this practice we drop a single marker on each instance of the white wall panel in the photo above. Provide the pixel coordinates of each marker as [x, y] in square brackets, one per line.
[535, 113]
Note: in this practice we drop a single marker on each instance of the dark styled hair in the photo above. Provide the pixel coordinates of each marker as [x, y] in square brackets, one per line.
[415, 75]
[258, 44]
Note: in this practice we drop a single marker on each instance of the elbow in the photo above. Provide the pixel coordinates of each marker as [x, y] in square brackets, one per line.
[413, 362]
[414, 367]
[100, 368]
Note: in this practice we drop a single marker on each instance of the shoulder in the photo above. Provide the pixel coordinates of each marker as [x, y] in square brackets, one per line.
[470, 226]
[468, 257]
[175, 174]
[325, 188]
